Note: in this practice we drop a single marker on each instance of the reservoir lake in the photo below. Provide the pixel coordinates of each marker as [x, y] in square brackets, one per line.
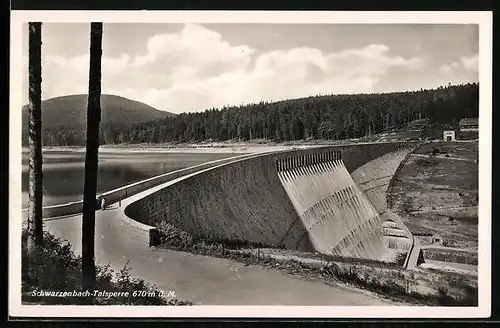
[63, 171]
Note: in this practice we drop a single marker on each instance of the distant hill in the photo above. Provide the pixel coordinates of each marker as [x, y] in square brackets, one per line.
[71, 111]
[64, 119]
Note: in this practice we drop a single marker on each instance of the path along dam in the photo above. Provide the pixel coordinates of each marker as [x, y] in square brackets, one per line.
[324, 199]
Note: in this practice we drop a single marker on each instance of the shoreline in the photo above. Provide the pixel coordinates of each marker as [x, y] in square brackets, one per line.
[189, 148]
[209, 147]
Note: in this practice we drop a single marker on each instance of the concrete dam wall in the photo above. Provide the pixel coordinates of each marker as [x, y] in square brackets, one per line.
[373, 178]
[299, 199]
[336, 214]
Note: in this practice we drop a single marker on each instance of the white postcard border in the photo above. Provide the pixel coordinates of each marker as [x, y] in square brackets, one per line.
[483, 19]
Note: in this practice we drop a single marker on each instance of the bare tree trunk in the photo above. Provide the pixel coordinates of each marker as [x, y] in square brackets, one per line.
[91, 157]
[35, 223]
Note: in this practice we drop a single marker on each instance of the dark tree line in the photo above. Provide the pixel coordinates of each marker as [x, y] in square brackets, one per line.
[319, 117]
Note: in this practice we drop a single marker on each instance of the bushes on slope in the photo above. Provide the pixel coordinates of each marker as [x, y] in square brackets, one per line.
[54, 269]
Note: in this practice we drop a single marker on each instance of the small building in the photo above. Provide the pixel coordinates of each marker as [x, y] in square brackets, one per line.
[469, 124]
[449, 135]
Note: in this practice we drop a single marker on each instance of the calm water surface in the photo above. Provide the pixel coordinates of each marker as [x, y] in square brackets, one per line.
[63, 171]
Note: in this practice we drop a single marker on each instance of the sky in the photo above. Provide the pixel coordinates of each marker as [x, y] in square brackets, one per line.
[194, 67]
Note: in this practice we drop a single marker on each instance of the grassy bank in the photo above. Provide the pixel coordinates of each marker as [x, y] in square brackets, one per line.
[467, 150]
[51, 275]
[385, 279]
[436, 192]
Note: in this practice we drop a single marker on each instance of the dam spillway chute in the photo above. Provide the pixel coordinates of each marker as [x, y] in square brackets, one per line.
[336, 214]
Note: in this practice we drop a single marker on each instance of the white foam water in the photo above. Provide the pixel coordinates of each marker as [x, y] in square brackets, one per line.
[338, 217]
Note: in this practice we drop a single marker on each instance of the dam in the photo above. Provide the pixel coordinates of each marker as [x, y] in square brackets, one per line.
[312, 200]
[322, 199]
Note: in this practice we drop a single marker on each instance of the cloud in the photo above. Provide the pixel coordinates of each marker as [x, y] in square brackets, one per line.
[195, 69]
[470, 63]
[447, 69]
[464, 70]
[464, 64]
[195, 47]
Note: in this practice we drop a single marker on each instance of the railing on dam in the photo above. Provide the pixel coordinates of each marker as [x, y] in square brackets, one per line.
[244, 199]
[121, 193]
[292, 162]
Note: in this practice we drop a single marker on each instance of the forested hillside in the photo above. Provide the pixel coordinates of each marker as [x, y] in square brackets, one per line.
[64, 118]
[320, 117]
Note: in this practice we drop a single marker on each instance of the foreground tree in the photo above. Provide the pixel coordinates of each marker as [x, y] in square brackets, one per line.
[91, 157]
[35, 223]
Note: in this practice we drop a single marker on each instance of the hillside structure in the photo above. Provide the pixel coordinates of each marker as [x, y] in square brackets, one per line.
[469, 124]
[449, 135]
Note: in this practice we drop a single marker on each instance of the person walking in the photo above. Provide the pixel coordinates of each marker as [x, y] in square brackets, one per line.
[103, 203]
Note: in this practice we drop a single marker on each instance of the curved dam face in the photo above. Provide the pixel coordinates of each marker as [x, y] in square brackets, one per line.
[374, 178]
[301, 199]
